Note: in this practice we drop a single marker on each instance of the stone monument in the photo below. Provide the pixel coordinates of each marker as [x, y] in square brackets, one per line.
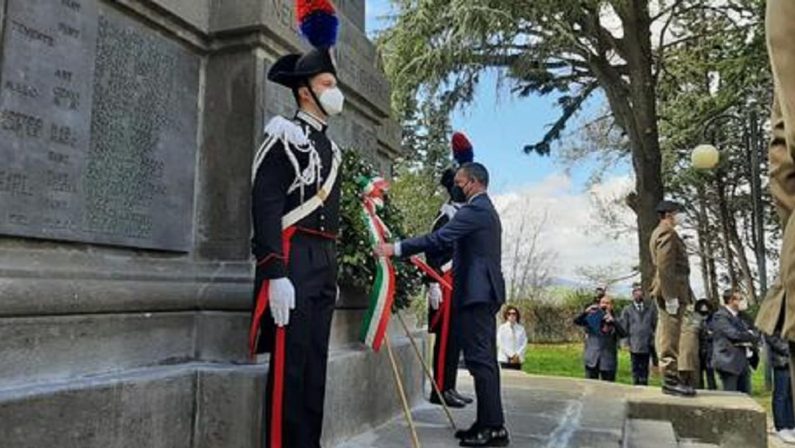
[127, 129]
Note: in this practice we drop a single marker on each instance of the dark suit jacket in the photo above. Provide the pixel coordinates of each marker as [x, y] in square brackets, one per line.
[475, 233]
[728, 332]
[640, 326]
[601, 349]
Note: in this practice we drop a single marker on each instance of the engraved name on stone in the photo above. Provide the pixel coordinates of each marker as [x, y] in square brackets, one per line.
[46, 77]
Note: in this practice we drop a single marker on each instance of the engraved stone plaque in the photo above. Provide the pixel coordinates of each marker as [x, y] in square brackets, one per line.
[97, 128]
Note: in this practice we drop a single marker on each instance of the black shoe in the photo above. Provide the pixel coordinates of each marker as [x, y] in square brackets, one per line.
[679, 390]
[461, 397]
[487, 437]
[449, 399]
[466, 433]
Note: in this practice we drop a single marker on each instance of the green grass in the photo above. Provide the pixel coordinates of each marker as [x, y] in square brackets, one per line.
[566, 360]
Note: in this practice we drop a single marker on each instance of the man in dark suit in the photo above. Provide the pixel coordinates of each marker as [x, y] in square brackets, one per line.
[475, 233]
[603, 331]
[733, 342]
[640, 320]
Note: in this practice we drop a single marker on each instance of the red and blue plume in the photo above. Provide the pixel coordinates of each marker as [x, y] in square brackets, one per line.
[462, 149]
[318, 22]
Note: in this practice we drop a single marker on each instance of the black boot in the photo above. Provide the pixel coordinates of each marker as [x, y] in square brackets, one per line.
[674, 387]
[487, 437]
[449, 399]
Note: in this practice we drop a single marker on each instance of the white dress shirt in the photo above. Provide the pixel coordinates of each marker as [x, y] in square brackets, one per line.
[511, 340]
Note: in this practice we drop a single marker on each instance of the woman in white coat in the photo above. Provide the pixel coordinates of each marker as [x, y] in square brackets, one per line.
[511, 340]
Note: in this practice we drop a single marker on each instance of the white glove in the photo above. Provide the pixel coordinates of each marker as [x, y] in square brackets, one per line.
[434, 295]
[672, 306]
[281, 300]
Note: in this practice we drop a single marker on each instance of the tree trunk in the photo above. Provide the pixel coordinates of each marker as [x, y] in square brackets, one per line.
[745, 267]
[634, 106]
[703, 239]
[723, 212]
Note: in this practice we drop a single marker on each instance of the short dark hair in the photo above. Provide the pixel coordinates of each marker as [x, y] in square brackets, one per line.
[476, 171]
[510, 308]
[728, 295]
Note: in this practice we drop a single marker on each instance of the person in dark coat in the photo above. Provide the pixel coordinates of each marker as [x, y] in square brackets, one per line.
[639, 320]
[733, 342]
[706, 376]
[783, 416]
[475, 233]
[602, 334]
[446, 351]
[295, 216]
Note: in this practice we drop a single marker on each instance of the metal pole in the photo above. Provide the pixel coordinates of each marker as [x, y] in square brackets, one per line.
[402, 394]
[428, 373]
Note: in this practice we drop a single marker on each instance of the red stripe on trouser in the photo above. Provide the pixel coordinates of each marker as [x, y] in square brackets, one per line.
[444, 334]
[277, 355]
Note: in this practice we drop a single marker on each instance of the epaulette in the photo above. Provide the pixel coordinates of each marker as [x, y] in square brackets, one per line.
[280, 128]
[289, 133]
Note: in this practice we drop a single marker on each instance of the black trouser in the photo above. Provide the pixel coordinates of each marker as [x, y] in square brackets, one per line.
[451, 355]
[476, 328]
[640, 368]
[313, 271]
[604, 375]
[736, 383]
[708, 373]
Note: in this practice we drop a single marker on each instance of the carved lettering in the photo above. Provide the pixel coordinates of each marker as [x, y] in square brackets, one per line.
[66, 98]
[59, 181]
[68, 30]
[64, 75]
[22, 89]
[18, 219]
[57, 157]
[16, 184]
[32, 34]
[74, 5]
[63, 135]
[22, 125]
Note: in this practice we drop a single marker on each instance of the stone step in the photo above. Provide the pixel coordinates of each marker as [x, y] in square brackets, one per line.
[196, 405]
[694, 444]
[648, 434]
[725, 419]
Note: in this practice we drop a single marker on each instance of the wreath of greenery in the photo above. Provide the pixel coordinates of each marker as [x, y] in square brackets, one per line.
[355, 253]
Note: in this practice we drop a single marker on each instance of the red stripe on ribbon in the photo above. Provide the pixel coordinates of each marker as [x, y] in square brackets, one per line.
[447, 299]
[431, 272]
[277, 356]
[383, 319]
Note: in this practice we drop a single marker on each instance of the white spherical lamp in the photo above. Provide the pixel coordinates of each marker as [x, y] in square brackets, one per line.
[705, 157]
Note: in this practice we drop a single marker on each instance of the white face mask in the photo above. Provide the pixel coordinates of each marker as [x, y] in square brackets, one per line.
[679, 219]
[743, 305]
[332, 100]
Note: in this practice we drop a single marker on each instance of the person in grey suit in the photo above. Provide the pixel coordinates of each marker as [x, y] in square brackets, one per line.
[475, 233]
[602, 333]
[733, 340]
[639, 320]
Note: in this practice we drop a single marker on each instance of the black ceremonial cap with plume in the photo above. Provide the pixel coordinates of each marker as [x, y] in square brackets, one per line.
[294, 70]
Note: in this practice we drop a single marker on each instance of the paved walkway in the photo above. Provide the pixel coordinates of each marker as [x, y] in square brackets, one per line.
[548, 412]
[544, 412]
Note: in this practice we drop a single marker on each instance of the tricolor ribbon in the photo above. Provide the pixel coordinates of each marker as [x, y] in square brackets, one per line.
[383, 293]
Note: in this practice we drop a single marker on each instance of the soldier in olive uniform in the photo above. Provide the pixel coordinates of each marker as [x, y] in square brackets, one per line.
[671, 290]
[777, 313]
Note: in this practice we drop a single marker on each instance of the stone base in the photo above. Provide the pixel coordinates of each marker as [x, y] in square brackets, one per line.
[720, 418]
[197, 405]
